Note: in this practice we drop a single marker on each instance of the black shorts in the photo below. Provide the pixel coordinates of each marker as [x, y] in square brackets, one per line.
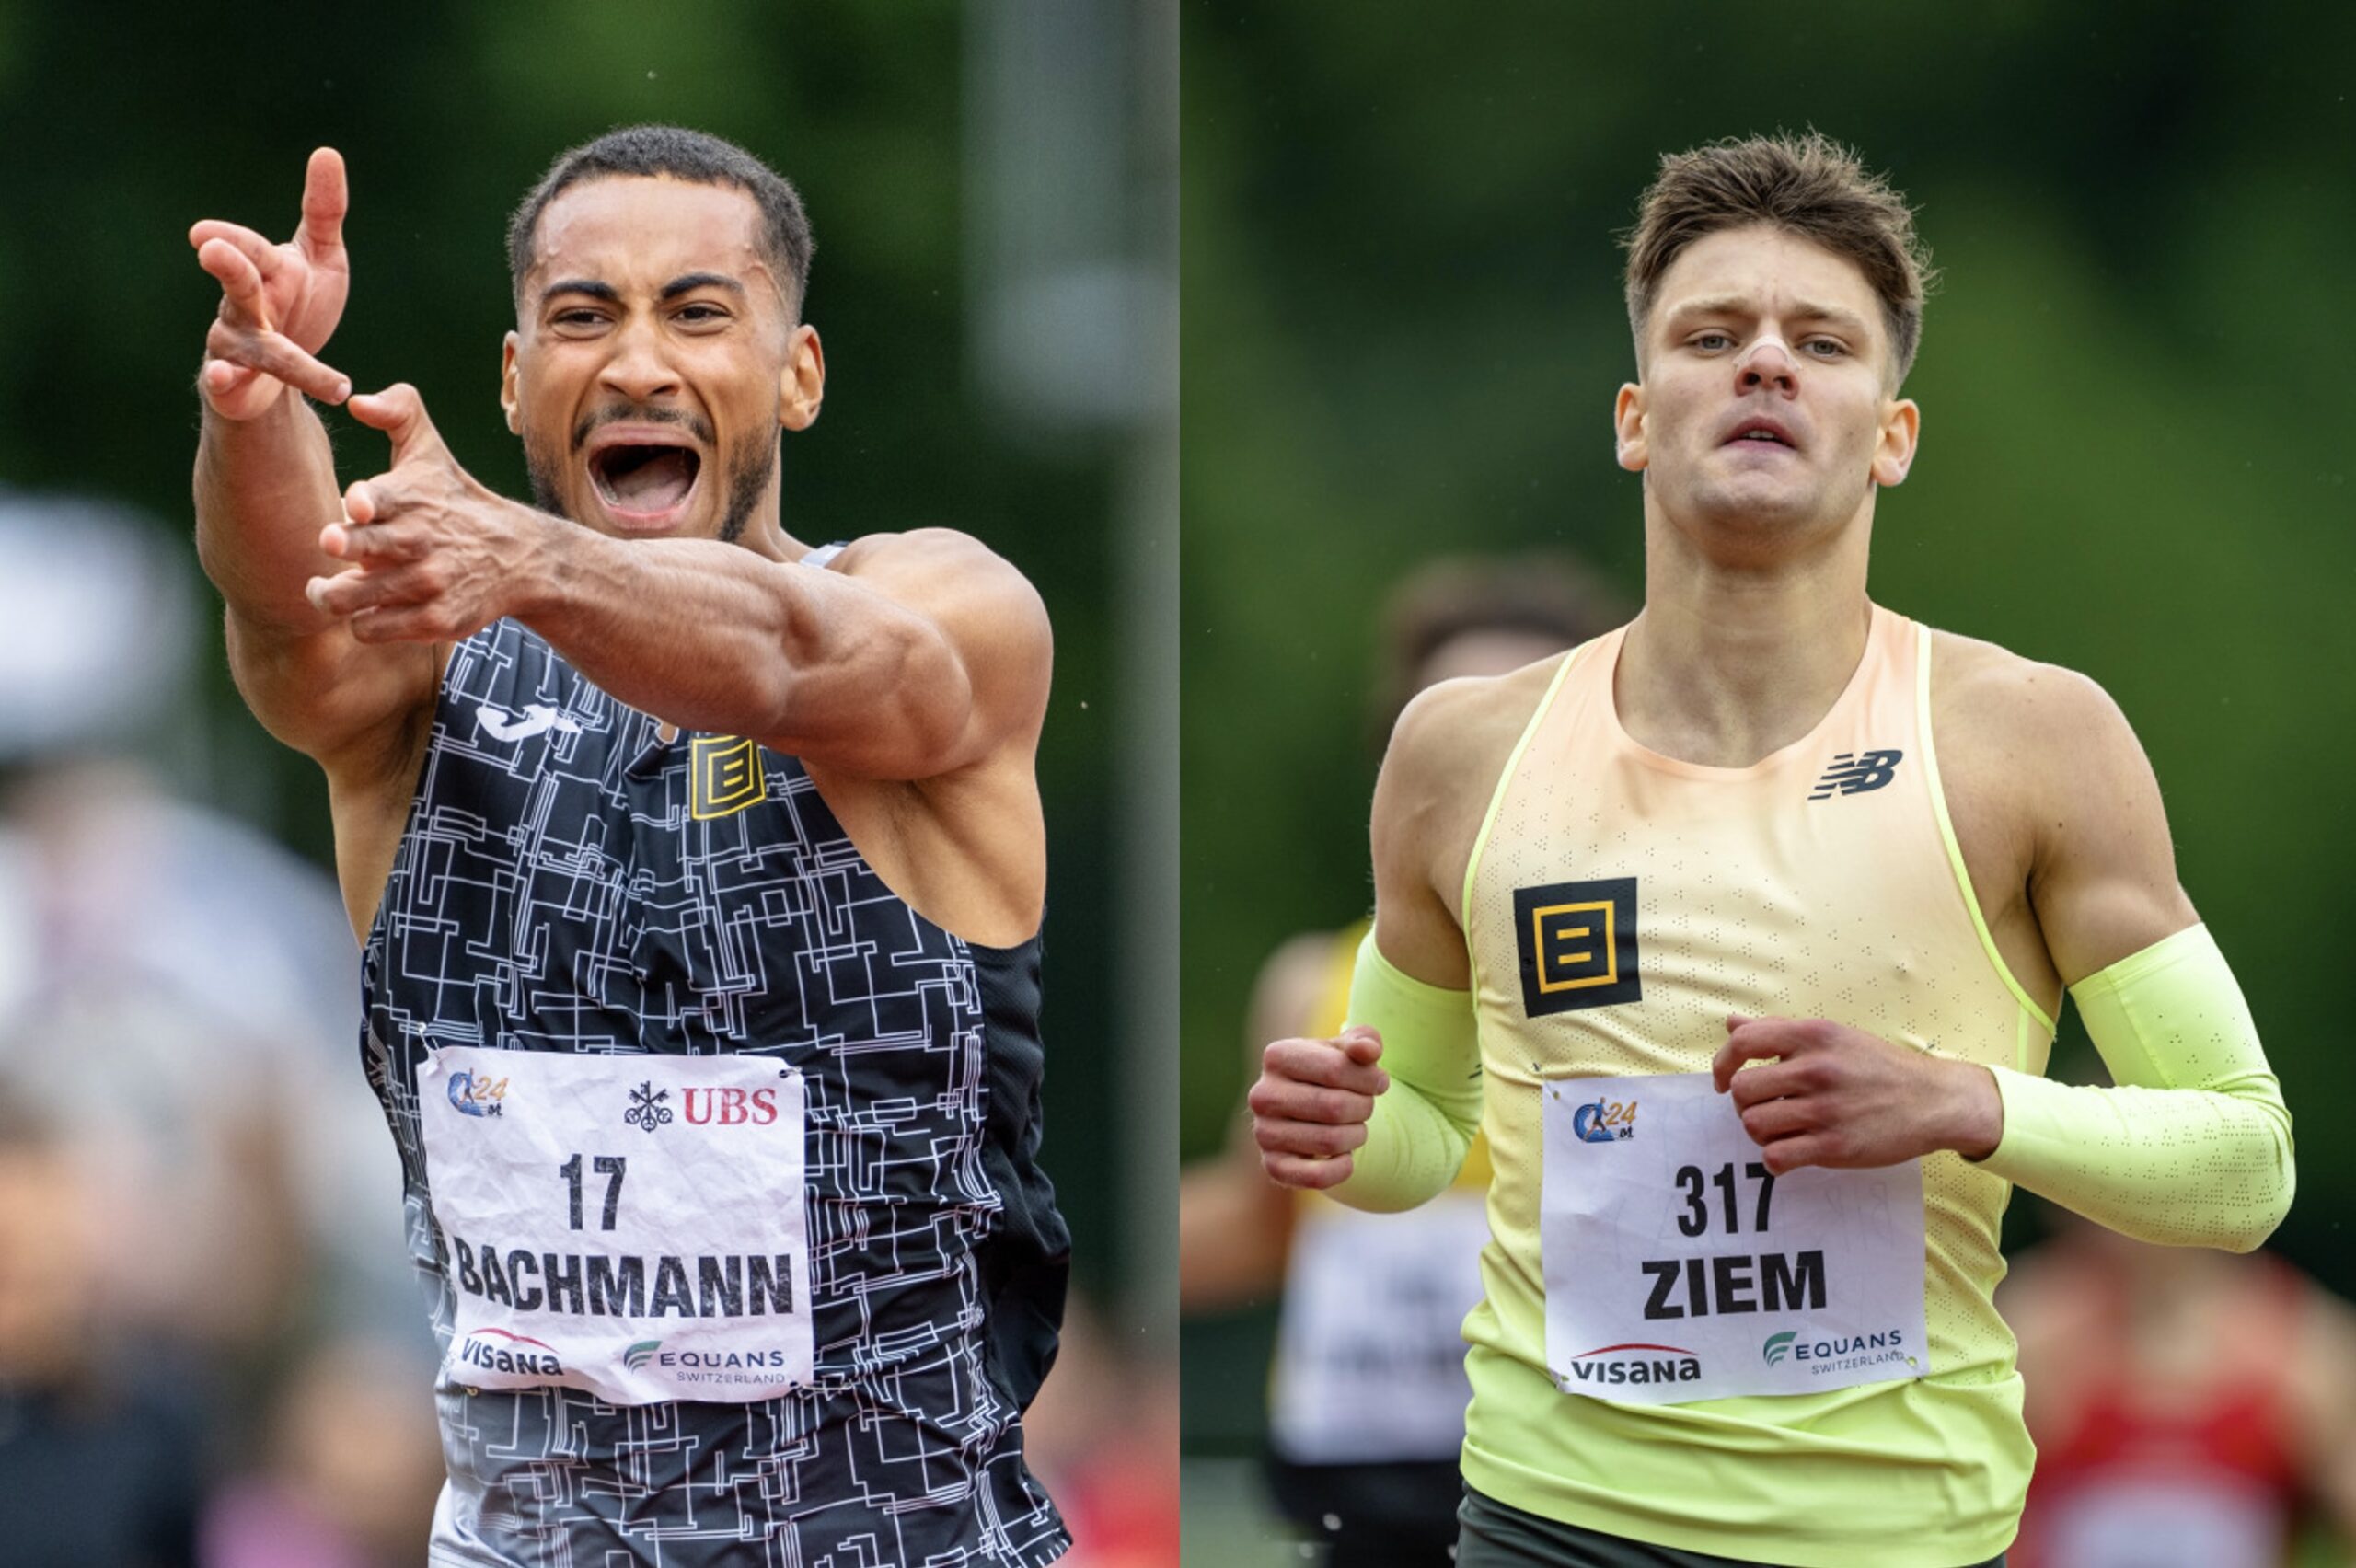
[1495, 1534]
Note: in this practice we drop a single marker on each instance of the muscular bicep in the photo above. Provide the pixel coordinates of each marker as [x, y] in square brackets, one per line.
[923, 654]
[2103, 879]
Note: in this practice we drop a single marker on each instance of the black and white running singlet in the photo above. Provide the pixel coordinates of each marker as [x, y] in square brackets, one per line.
[577, 909]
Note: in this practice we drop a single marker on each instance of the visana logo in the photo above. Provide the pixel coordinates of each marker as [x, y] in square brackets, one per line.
[641, 1353]
[1853, 775]
[1637, 1363]
[1777, 1347]
[1605, 1121]
[478, 1095]
[496, 1349]
[646, 1108]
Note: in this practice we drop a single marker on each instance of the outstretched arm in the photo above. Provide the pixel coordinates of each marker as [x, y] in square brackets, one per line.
[920, 656]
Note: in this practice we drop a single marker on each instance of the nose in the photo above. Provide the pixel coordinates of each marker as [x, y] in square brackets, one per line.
[638, 369]
[1768, 364]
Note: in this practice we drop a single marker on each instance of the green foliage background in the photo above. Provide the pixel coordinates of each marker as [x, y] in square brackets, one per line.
[1402, 332]
[123, 122]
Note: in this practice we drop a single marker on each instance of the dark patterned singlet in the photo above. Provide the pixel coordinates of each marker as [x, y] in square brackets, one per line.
[570, 882]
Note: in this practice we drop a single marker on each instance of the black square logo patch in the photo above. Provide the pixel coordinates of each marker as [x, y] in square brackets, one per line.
[1577, 942]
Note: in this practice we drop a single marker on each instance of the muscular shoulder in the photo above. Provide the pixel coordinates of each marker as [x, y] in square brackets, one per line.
[2041, 765]
[1446, 755]
[1459, 732]
[984, 605]
[1983, 693]
[2049, 738]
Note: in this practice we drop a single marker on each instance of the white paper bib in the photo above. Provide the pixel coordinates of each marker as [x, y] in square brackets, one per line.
[632, 1225]
[1677, 1269]
[1371, 1361]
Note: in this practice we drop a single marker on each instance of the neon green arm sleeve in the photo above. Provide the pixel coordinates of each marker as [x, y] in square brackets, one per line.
[1423, 1122]
[2193, 1146]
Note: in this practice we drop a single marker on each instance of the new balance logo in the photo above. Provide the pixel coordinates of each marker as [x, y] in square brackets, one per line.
[1853, 775]
[539, 717]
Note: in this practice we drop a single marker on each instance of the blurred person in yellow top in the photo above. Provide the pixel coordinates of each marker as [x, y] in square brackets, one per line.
[1367, 1407]
[1740, 931]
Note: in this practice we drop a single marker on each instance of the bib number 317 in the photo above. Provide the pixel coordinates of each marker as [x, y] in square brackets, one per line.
[1678, 1267]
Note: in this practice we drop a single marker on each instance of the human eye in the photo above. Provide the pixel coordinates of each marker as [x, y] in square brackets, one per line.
[576, 320]
[701, 313]
[1826, 348]
[1710, 339]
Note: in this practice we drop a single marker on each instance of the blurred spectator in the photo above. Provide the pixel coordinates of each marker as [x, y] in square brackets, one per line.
[174, 987]
[177, 1016]
[99, 1465]
[2189, 1406]
[1367, 1396]
[351, 1468]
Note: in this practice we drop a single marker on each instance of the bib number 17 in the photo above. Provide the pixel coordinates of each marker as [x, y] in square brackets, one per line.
[610, 1166]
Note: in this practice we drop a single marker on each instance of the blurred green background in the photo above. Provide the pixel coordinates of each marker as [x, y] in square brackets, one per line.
[1402, 332]
[944, 235]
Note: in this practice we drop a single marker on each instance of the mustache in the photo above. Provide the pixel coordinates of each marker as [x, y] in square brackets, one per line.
[596, 421]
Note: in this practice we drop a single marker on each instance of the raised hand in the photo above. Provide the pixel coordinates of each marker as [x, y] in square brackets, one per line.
[1310, 1105]
[436, 555]
[278, 302]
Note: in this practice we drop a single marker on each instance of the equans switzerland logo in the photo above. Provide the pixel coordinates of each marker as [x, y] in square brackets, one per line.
[1604, 1121]
[639, 1355]
[478, 1094]
[1777, 1347]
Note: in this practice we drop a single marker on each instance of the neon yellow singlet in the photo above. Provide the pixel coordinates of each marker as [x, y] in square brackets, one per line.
[1822, 882]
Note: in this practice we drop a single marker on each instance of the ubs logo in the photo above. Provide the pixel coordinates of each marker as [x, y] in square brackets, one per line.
[1577, 942]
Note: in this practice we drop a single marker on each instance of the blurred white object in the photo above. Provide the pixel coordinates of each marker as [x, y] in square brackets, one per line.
[94, 623]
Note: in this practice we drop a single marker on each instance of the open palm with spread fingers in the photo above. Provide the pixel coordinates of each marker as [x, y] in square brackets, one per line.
[278, 302]
[436, 555]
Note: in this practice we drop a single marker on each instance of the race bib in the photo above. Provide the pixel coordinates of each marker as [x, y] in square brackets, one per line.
[1370, 1352]
[1678, 1268]
[630, 1225]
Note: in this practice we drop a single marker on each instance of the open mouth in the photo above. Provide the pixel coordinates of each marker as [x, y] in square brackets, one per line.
[644, 480]
[1759, 432]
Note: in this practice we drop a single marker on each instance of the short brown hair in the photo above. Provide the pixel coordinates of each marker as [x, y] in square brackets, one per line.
[1810, 185]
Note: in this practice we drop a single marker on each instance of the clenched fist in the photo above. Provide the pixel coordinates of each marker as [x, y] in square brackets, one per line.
[1310, 1105]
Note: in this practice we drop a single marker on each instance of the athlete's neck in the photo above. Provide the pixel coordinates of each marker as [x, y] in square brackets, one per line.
[1731, 661]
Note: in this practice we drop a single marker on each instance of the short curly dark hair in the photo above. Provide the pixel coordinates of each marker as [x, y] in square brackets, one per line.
[692, 155]
[1810, 185]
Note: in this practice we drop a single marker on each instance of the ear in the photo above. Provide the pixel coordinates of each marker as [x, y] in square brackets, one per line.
[1902, 428]
[1628, 426]
[802, 384]
[508, 399]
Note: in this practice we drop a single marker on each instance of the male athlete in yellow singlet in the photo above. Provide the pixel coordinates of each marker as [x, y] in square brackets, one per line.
[1740, 933]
